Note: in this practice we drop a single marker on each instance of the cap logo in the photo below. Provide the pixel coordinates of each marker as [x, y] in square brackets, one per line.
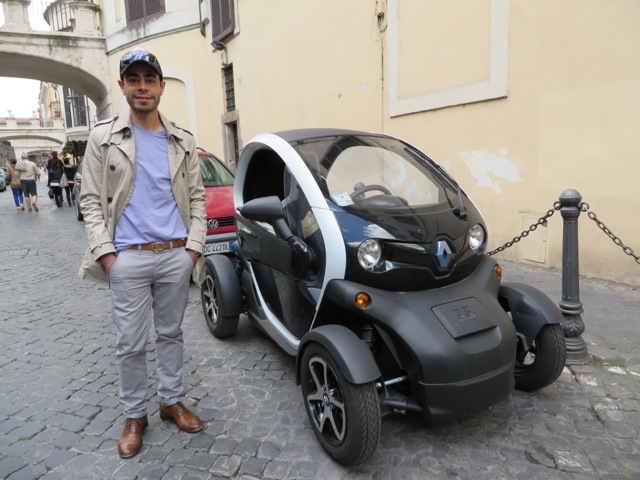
[139, 55]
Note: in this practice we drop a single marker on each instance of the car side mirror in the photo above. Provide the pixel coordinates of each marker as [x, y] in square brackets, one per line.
[269, 210]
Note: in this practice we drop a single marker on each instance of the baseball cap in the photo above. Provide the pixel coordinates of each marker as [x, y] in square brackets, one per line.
[139, 55]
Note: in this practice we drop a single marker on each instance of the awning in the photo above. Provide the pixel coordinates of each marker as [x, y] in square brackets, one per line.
[75, 146]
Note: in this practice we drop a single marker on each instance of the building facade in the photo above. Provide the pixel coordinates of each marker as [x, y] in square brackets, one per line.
[519, 101]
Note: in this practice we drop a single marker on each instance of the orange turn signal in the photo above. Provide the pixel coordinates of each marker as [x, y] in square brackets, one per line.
[362, 300]
[497, 270]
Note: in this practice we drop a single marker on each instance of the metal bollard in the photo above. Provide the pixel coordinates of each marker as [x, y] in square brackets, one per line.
[570, 304]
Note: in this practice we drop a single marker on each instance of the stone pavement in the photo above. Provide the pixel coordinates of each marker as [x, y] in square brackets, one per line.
[59, 414]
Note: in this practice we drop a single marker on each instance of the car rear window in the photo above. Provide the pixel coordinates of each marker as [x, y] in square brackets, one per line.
[214, 174]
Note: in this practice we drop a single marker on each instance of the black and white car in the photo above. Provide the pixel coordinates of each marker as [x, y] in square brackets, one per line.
[363, 258]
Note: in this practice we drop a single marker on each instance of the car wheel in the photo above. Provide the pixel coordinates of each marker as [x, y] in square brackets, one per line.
[345, 417]
[221, 326]
[542, 364]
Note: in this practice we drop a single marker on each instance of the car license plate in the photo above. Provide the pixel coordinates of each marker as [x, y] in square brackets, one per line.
[219, 247]
[464, 317]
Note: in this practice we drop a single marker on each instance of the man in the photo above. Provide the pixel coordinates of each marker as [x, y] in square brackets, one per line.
[144, 210]
[28, 178]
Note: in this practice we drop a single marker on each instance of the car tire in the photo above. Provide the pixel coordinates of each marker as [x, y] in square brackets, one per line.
[221, 326]
[345, 418]
[542, 364]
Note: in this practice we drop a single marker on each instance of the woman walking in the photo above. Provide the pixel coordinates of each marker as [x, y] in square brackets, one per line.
[55, 169]
[70, 172]
[16, 186]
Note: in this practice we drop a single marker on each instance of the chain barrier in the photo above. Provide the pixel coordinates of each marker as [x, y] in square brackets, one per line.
[541, 221]
[584, 207]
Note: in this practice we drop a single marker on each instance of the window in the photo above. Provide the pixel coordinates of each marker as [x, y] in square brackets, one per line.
[76, 110]
[234, 141]
[231, 138]
[138, 10]
[231, 118]
[229, 89]
[223, 21]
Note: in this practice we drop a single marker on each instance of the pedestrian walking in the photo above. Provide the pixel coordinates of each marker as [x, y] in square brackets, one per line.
[70, 172]
[16, 186]
[28, 178]
[145, 240]
[55, 169]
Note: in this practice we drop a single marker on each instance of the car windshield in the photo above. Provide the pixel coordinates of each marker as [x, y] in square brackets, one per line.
[354, 167]
[214, 174]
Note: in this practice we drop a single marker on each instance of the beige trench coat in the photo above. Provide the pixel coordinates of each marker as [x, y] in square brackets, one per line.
[108, 175]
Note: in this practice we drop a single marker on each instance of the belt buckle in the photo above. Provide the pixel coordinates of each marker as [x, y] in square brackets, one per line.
[157, 246]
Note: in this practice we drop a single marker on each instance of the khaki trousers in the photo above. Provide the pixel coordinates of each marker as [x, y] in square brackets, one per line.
[149, 287]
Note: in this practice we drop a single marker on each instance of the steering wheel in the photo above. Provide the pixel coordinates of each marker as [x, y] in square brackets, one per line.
[368, 188]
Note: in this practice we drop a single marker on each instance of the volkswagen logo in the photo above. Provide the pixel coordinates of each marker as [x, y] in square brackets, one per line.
[212, 223]
[444, 254]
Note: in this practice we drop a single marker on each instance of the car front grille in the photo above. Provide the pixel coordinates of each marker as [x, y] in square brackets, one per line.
[214, 223]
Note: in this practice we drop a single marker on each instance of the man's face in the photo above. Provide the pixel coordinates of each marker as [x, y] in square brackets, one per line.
[142, 87]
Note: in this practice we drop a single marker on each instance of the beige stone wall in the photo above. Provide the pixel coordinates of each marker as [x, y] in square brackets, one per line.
[192, 93]
[519, 100]
[303, 64]
[568, 121]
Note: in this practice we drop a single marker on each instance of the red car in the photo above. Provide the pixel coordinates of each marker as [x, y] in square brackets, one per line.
[218, 185]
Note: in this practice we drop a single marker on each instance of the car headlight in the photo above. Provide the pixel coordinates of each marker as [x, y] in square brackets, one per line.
[369, 254]
[477, 237]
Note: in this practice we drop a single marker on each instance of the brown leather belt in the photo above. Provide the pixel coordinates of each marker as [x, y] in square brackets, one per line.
[160, 246]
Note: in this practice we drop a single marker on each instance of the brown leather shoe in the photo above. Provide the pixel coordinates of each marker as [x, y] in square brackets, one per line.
[130, 442]
[186, 420]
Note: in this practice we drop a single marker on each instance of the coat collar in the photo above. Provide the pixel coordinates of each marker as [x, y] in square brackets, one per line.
[122, 125]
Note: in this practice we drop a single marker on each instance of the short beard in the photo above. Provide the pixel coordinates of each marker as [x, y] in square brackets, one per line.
[149, 107]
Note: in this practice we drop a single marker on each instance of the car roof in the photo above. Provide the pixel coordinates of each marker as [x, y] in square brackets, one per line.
[307, 133]
[204, 153]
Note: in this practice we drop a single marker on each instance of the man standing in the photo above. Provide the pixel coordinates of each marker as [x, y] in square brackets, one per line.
[28, 178]
[144, 210]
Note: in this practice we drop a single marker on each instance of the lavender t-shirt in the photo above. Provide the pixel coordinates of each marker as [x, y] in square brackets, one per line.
[152, 213]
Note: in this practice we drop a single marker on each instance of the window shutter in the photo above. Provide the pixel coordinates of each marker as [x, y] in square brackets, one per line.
[223, 19]
[68, 106]
[135, 10]
[153, 7]
[83, 111]
[140, 9]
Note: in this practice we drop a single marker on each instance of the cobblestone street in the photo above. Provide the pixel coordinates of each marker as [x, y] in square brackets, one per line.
[60, 418]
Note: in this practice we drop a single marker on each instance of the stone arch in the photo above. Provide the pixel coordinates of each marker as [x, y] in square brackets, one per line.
[76, 62]
[33, 136]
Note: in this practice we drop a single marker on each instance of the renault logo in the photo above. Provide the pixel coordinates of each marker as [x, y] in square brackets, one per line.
[444, 254]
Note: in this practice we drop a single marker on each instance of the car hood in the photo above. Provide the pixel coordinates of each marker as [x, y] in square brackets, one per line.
[219, 201]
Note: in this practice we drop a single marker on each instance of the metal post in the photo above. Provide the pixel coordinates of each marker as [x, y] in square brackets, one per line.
[570, 304]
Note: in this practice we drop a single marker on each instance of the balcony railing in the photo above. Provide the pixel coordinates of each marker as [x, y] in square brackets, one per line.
[79, 16]
[30, 123]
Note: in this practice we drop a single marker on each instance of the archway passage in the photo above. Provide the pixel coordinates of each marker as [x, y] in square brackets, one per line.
[65, 59]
